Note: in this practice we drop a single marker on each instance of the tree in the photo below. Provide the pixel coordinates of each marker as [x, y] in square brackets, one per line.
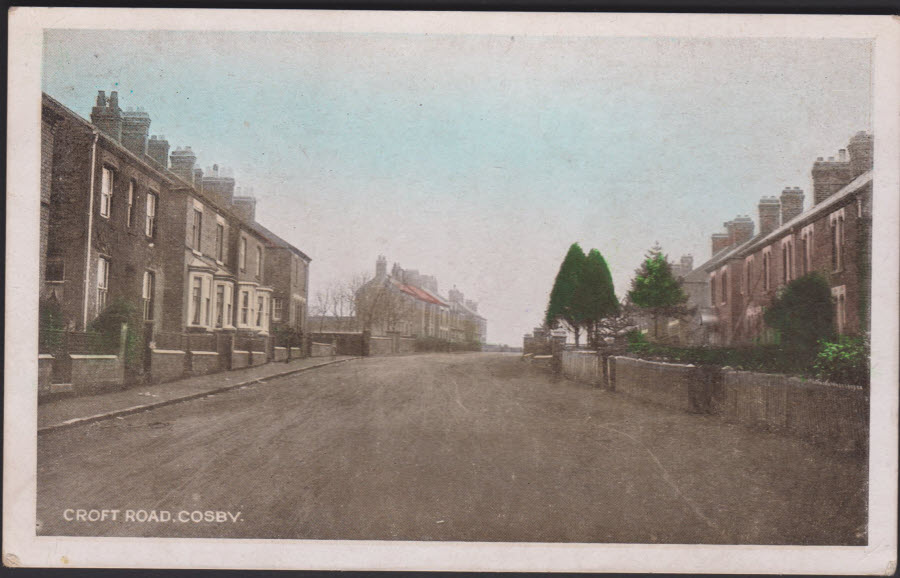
[803, 314]
[594, 297]
[561, 308]
[656, 290]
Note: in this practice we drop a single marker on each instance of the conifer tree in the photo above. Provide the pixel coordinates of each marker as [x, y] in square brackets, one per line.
[595, 297]
[561, 307]
[656, 290]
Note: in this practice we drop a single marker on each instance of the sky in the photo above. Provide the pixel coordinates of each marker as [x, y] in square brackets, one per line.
[480, 158]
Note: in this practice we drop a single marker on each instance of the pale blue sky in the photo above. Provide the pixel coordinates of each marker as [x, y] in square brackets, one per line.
[479, 159]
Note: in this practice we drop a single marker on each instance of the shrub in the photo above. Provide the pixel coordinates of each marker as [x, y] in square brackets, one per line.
[432, 344]
[803, 314]
[287, 336]
[109, 325]
[844, 360]
[50, 323]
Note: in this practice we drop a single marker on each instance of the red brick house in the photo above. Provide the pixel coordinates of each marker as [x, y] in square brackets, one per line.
[832, 237]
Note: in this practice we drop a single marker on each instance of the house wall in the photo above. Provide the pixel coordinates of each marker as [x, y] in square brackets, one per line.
[741, 316]
[126, 247]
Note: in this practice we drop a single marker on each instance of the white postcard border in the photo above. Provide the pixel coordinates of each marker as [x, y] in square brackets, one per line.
[22, 547]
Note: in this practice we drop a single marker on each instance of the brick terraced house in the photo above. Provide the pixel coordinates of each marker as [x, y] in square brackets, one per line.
[123, 219]
[834, 237]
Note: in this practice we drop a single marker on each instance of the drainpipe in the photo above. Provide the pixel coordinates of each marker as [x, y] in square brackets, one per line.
[90, 232]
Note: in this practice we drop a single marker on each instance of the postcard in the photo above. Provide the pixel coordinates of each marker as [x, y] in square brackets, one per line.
[452, 291]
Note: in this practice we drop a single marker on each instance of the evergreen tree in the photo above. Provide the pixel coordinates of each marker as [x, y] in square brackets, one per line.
[656, 290]
[595, 297]
[561, 307]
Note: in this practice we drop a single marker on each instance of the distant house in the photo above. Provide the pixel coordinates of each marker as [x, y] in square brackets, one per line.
[408, 303]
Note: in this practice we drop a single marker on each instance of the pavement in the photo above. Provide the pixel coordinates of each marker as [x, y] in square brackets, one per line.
[450, 447]
[70, 411]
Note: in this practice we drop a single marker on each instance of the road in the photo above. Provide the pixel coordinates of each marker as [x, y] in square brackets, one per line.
[465, 447]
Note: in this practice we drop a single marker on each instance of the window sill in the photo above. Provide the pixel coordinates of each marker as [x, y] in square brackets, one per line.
[196, 252]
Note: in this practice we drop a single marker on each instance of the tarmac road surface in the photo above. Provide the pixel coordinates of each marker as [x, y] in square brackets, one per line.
[465, 447]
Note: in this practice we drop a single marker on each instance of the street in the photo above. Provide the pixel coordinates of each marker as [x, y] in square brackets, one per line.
[464, 447]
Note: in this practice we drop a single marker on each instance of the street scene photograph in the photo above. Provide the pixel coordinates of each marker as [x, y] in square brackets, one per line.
[318, 285]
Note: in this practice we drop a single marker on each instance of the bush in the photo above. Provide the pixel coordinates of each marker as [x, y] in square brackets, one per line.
[803, 314]
[432, 344]
[50, 324]
[109, 325]
[845, 360]
[287, 336]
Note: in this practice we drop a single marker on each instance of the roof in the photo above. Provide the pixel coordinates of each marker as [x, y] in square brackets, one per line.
[816, 210]
[419, 293]
[171, 177]
[278, 241]
[813, 213]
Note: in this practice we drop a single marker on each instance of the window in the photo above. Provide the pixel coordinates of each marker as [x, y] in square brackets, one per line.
[147, 294]
[242, 254]
[150, 226]
[196, 297]
[197, 230]
[208, 305]
[259, 259]
[837, 240]
[767, 270]
[839, 296]
[784, 264]
[55, 270]
[277, 309]
[220, 242]
[724, 286]
[220, 305]
[102, 283]
[129, 215]
[748, 277]
[229, 295]
[106, 192]
[245, 307]
[260, 309]
[712, 289]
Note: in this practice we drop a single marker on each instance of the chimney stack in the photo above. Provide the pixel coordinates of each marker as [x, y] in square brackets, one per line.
[861, 149]
[456, 296]
[829, 176]
[221, 186]
[245, 207]
[182, 163]
[107, 116]
[135, 130]
[739, 230]
[769, 214]
[687, 263]
[158, 150]
[381, 266]
[473, 305]
[791, 203]
[719, 242]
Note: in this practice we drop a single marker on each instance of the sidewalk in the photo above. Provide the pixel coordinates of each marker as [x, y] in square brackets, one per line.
[71, 411]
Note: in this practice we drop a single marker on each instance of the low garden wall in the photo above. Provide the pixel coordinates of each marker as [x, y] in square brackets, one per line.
[203, 362]
[813, 410]
[166, 364]
[382, 345]
[97, 373]
[322, 349]
[810, 409]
